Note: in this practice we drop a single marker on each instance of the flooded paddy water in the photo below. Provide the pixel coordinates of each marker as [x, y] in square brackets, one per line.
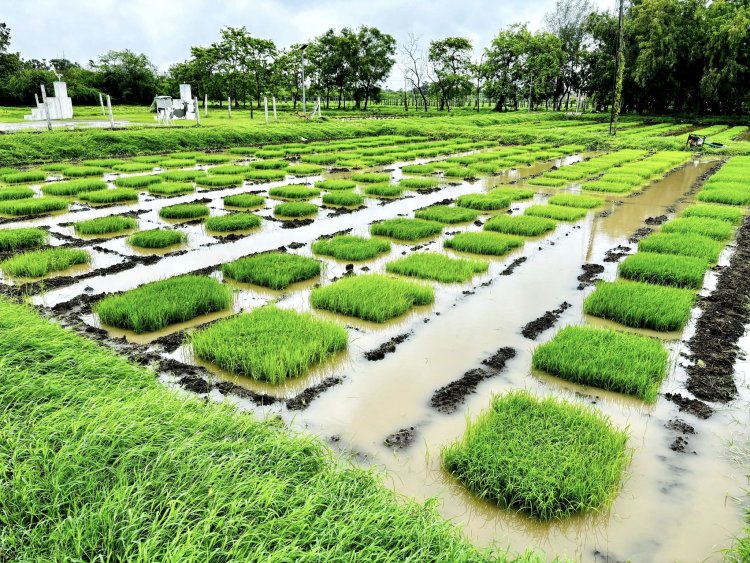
[678, 497]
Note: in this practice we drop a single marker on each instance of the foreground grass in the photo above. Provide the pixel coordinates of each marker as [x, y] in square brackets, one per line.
[13, 240]
[608, 359]
[276, 270]
[438, 267]
[159, 304]
[39, 263]
[101, 460]
[351, 247]
[371, 297]
[543, 457]
[269, 344]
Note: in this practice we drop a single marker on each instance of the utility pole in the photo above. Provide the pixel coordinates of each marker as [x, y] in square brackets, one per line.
[479, 73]
[531, 81]
[619, 71]
[304, 100]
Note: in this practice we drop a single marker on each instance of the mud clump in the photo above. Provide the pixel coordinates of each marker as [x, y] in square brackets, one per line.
[691, 406]
[658, 220]
[195, 384]
[497, 360]
[680, 426]
[386, 348]
[512, 266]
[617, 253]
[547, 320]
[401, 438]
[641, 233]
[303, 400]
[590, 275]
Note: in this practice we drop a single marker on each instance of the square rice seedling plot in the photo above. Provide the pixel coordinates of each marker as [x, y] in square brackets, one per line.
[293, 192]
[27, 177]
[510, 192]
[447, 214]
[574, 200]
[213, 158]
[332, 185]
[105, 225]
[269, 164]
[5, 170]
[383, 190]
[604, 358]
[219, 181]
[483, 202]
[664, 269]
[73, 187]
[712, 228]
[184, 211]
[148, 158]
[305, 169]
[270, 344]
[244, 201]
[156, 238]
[39, 263]
[159, 304]
[418, 169]
[171, 188]
[727, 196]
[232, 222]
[523, 225]
[20, 192]
[406, 229]
[115, 195]
[548, 182]
[371, 178]
[270, 153]
[13, 240]
[176, 163]
[129, 167]
[682, 245]
[729, 214]
[461, 172]
[418, 183]
[181, 175]
[103, 162]
[343, 199]
[371, 297]
[269, 175]
[437, 267]
[294, 209]
[229, 170]
[275, 270]
[543, 457]
[641, 305]
[138, 181]
[351, 247]
[607, 187]
[556, 212]
[487, 243]
[83, 171]
[32, 206]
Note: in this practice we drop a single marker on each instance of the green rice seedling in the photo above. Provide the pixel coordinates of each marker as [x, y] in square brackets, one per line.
[293, 192]
[371, 177]
[73, 187]
[244, 201]
[486, 243]
[304, 169]
[270, 153]
[418, 183]
[233, 222]
[608, 359]
[487, 167]
[243, 150]
[184, 211]
[437, 267]
[229, 169]
[171, 188]
[345, 198]
[462, 172]
[20, 192]
[406, 229]
[351, 247]
[27, 177]
[727, 196]
[447, 214]
[384, 190]
[324, 159]
[712, 228]
[83, 171]
[182, 175]
[547, 458]
[418, 169]
[574, 200]
[608, 187]
[270, 344]
[129, 167]
[103, 162]
[51, 167]
[270, 175]
[511, 192]
[116, 195]
[39, 263]
[269, 164]
[664, 269]
[722, 212]
[13, 240]
[332, 185]
[32, 206]
[138, 181]
[185, 155]
[524, 225]
[641, 305]
[371, 297]
[219, 181]
[156, 238]
[295, 209]
[5, 170]
[159, 304]
[682, 245]
[212, 158]
[548, 182]
[176, 163]
[630, 178]
[276, 270]
[483, 202]
[147, 158]
[105, 225]
[556, 212]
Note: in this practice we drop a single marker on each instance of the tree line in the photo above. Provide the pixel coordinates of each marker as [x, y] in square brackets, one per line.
[679, 56]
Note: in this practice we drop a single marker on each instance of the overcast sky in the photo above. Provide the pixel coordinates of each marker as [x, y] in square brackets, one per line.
[165, 29]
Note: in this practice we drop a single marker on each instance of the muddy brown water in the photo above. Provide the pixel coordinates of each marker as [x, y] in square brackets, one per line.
[673, 506]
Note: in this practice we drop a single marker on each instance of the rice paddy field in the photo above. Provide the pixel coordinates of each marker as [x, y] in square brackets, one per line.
[483, 337]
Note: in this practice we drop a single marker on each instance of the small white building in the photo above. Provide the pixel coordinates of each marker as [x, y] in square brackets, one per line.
[60, 106]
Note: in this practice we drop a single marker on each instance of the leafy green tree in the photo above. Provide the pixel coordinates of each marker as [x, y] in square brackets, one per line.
[373, 63]
[503, 68]
[128, 77]
[450, 64]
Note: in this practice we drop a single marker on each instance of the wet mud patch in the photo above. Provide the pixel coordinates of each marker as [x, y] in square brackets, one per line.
[658, 220]
[680, 443]
[617, 253]
[547, 320]
[497, 360]
[690, 406]
[513, 265]
[303, 400]
[641, 233]
[401, 439]
[386, 348]
[590, 275]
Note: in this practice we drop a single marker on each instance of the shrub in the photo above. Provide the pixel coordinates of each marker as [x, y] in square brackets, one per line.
[729, 214]
[371, 177]
[293, 192]
[171, 188]
[438, 267]
[269, 344]
[383, 190]
[184, 211]
[244, 201]
[487, 243]
[544, 457]
[20, 192]
[446, 214]
[295, 209]
[682, 245]
[105, 225]
[233, 222]
[32, 206]
[157, 238]
[346, 198]
[137, 181]
[276, 270]
[664, 269]
[406, 229]
[335, 184]
[116, 195]
[556, 212]
[13, 240]
[219, 181]
[83, 171]
[524, 225]
[573, 200]
[39, 263]
[712, 228]
[350, 247]
[371, 297]
[73, 187]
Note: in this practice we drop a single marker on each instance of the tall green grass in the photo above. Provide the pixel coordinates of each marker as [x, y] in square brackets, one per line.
[13, 240]
[437, 267]
[105, 225]
[73, 187]
[276, 270]
[156, 238]
[232, 222]
[351, 247]
[39, 263]
[524, 225]
[487, 243]
[406, 229]
[664, 269]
